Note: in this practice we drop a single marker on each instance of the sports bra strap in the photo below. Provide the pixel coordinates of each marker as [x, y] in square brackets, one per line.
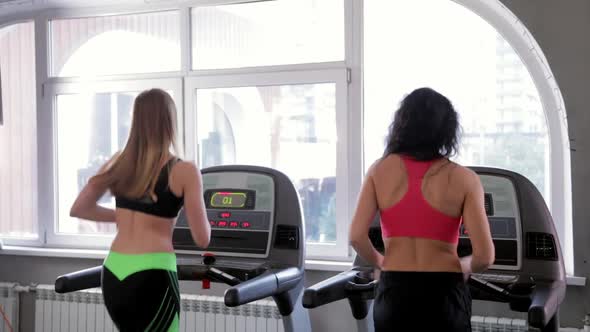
[416, 169]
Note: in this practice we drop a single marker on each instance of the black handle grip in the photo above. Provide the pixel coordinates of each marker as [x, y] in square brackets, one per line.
[490, 288]
[221, 276]
[270, 283]
[75, 281]
[354, 287]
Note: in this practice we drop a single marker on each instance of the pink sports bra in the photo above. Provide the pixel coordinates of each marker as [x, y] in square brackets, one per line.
[413, 216]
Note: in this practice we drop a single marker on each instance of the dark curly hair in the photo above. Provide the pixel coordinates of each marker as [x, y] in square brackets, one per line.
[425, 127]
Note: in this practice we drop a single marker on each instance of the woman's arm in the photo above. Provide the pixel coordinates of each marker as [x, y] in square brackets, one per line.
[476, 222]
[194, 204]
[86, 207]
[364, 214]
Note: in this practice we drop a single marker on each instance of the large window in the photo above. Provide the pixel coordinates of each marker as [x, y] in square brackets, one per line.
[268, 33]
[308, 87]
[291, 125]
[18, 133]
[102, 123]
[464, 58]
[92, 116]
[92, 122]
[291, 128]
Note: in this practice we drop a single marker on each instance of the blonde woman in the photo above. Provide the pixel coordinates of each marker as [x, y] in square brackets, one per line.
[150, 185]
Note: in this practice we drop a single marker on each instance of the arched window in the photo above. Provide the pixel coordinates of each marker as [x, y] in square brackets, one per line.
[505, 116]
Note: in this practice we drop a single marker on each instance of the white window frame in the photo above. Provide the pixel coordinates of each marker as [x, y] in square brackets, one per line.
[48, 215]
[336, 76]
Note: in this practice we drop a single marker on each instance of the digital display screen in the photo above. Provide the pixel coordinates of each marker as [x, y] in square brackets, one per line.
[229, 199]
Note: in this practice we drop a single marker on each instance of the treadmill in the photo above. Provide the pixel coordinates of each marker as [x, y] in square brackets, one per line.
[257, 242]
[528, 273]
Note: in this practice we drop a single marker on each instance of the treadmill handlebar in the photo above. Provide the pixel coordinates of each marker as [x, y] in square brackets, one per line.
[354, 287]
[267, 284]
[329, 290]
[545, 303]
[221, 276]
[79, 280]
[492, 289]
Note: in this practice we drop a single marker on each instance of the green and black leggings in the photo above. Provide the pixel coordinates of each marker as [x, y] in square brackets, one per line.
[141, 291]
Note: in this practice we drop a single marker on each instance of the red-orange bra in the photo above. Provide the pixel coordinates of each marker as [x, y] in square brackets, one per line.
[413, 216]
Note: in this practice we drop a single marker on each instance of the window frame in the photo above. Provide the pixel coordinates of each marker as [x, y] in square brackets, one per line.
[48, 142]
[314, 76]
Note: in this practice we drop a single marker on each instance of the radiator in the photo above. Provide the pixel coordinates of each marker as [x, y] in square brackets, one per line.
[500, 324]
[9, 305]
[485, 324]
[85, 311]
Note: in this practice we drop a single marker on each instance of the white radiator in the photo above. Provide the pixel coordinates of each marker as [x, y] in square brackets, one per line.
[85, 312]
[485, 324]
[501, 324]
[9, 306]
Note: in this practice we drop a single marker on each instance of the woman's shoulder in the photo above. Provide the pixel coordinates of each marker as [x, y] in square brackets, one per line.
[385, 164]
[462, 174]
[183, 167]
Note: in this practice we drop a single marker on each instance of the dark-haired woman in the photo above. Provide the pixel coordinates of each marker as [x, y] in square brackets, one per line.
[422, 198]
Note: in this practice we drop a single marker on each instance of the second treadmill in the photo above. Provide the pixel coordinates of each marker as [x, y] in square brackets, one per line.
[528, 272]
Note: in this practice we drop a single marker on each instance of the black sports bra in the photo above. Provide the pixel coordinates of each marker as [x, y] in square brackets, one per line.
[168, 204]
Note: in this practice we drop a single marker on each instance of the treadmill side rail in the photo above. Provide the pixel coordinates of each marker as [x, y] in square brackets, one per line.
[79, 280]
[251, 290]
[545, 303]
[329, 290]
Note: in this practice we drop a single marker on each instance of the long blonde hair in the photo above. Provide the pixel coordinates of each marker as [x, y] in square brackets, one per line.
[134, 171]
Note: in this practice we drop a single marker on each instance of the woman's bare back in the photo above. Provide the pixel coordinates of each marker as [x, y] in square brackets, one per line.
[444, 189]
[139, 232]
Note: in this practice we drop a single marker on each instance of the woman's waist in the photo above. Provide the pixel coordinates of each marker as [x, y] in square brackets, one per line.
[142, 241]
[421, 279]
[422, 262]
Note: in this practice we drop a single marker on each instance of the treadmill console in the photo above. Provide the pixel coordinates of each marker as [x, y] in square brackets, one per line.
[503, 214]
[240, 209]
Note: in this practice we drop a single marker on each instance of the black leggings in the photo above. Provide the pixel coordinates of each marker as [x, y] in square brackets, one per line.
[147, 300]
[422, 301]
